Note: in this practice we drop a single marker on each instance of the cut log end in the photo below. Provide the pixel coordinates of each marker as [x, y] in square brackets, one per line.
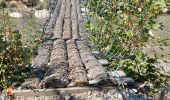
[53, 82]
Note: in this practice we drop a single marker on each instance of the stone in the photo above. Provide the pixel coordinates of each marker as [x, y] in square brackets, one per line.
[64, 95]
[104, 62]
[84, 10]
[3, 96]
[166, 10]
[118, 73]
[151, 33]
[96, 53]
[16, 15]
[41, 13]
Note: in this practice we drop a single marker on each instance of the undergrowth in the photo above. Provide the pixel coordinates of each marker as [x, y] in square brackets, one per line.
[120, 29]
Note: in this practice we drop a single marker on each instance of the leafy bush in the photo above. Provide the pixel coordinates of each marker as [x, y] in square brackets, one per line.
[120, 28]
[14, 56]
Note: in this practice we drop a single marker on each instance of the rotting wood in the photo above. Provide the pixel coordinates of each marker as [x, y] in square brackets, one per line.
[57, 71]
[94, 68]
[74, 18]
[67, 21]
[57, 33]
[77, 72]
[53, 19]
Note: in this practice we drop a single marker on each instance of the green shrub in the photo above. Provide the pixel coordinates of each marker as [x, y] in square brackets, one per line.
[119, 28]
[14, 56]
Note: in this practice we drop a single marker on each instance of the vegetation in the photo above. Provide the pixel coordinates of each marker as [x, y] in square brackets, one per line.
[120, 29]
[17, 47]
[30, 34]
[14, 56]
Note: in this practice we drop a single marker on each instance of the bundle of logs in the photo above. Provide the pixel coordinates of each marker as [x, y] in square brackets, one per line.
[65, 58]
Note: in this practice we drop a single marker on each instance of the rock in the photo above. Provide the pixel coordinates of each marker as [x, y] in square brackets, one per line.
[41, 1]
[164, 94]
[64, 95]
[166, 11]
[41, 13]
[151, 33]
[3, 96]
[117, 73]
[96, 53]
[84, 10]
[99, 95]
[72, 84]
[18, 5]
[104, 62]
[16, 15]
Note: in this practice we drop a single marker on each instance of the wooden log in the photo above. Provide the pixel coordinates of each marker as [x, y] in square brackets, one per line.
[94, 69]
[77, 72]
[53, 19]
[67, 21]
[41, 60]
[39, 65]
[68, 9]
[74, 18]
[57, 71]
[59, 24]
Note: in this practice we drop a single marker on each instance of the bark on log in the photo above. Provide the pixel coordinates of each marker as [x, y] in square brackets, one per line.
[94, 68]
[57, 73]
[74, 18]
[59, 23]
[41, 60]
[39, 65]
[67, 21]
[53, 19]
[77, 72]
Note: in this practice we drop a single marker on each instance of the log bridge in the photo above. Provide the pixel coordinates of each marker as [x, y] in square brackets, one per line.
[64, 60]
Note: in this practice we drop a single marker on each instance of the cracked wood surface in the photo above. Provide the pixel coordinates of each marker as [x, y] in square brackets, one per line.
[65, 59]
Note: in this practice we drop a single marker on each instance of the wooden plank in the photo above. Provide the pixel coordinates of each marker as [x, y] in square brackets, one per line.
[53, 92]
